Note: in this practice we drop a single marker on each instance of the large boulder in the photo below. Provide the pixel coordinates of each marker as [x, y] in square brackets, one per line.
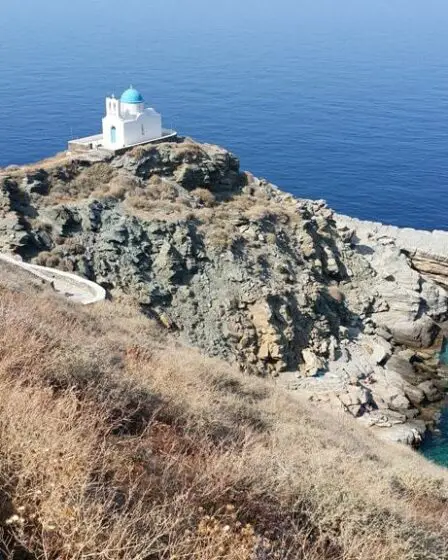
[430, 390]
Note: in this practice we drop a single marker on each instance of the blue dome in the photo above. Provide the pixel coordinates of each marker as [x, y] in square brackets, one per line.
[131, 95]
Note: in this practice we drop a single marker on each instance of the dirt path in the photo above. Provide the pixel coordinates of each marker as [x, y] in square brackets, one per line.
[71, 286]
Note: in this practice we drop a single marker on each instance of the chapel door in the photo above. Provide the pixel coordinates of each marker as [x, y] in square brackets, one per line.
[113, 135]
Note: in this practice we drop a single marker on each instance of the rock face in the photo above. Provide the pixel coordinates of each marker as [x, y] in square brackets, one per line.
[426, 250]
[244, 271]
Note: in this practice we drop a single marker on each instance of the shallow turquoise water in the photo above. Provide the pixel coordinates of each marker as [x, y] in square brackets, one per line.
[435, 445]
[444, 353]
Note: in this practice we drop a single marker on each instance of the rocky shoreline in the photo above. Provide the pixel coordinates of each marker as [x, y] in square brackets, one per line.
[427, 250]
[349, 313]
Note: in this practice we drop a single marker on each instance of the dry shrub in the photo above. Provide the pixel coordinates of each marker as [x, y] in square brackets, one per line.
[129, 182]
[271, 238]
[220, 226]
[205, 197]
[91, 180]
[154, 190]
[47, 258]
[119, 187]
[46, 467]
[161, 189]
[138, 152]
[41, 225]
[73, 246]
[160, 198]
[258, 212]
[221, 237]
[188, 151]
[101, 172]
[157, 209]
[118, 443]
[117, 191]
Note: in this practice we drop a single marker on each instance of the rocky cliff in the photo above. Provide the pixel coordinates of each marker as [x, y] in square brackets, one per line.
[279, 285]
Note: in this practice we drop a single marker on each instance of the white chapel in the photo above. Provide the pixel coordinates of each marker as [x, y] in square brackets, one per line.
[128, 122]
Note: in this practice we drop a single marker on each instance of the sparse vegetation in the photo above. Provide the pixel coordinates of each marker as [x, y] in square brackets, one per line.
[206, 197]
[159, 197]
[48, 258]
[117, 443]
[139, 152]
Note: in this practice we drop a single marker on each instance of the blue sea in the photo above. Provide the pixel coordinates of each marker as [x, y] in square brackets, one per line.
[346, 100]
[342, 100]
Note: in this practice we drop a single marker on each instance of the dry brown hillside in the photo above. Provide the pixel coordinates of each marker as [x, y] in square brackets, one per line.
[118, 443]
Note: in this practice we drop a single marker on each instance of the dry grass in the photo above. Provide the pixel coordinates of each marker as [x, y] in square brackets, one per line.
[93, 181]
[117, 443]
[205, 197]
[49, 164]
[161, 198]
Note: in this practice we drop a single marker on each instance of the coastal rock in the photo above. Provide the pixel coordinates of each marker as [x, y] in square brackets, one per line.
[356, 400]
[402, 367]
[430, 390]
[36, 183]
[410, 433]
[420, 333]
[415, 394]
[389, 394]
[427, 250]
[233, 265]
[380, 349]
[311, 363]
[415, 305]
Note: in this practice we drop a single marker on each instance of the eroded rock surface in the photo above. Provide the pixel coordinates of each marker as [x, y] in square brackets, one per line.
[235, 266]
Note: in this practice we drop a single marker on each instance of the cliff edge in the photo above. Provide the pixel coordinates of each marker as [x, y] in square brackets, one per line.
[348, 312]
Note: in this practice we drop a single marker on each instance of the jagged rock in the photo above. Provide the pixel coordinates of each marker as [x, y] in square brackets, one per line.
[379, 354]
[388, 391]
[312, 364]
[380, 350]
[410, 433]
[430, 390]
[356, 399]
[243, 270]
[37, 183]
[414, 394]
[417, 306]
[399, 402]
[420, 332]
[401, 364]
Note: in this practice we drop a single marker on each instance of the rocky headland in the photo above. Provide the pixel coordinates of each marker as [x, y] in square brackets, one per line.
[350, 313]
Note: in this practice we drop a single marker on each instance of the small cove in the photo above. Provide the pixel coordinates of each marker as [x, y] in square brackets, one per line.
[435, 444]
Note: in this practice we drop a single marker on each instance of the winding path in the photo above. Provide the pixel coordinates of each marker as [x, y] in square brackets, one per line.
[73, 287]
